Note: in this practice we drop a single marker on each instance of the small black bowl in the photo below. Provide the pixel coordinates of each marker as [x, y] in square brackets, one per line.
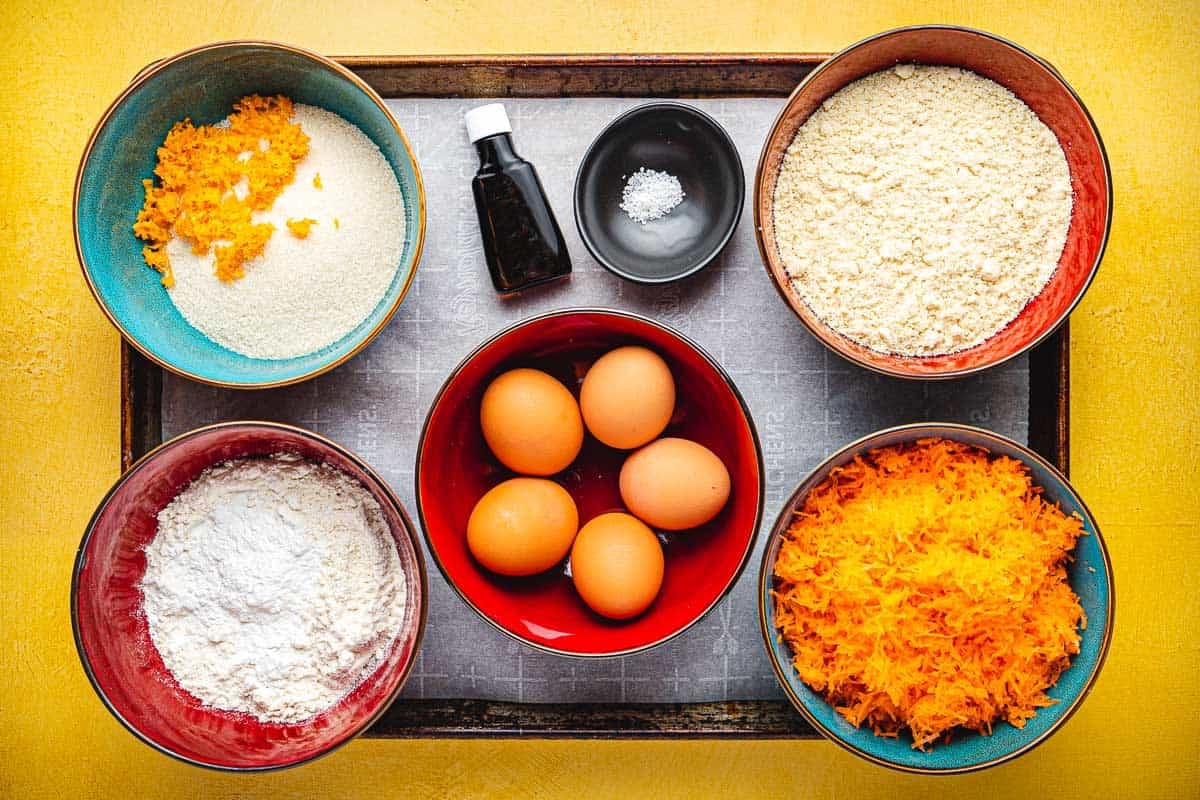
[669, 137]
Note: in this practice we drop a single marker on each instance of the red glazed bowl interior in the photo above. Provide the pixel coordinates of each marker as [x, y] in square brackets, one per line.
[455, 468]
[1045, 92]
[114, 641]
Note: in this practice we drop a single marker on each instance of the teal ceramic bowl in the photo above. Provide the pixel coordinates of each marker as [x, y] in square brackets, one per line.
[203, 84]
[1090, 575]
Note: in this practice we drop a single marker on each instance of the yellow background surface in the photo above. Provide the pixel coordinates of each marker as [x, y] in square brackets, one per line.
[1135, 424]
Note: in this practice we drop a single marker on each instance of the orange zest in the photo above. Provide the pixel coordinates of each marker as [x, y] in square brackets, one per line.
[212, 178]
[924, 586]
[300, 228]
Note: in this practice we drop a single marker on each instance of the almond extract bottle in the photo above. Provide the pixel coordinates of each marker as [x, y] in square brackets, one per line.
[522, 242]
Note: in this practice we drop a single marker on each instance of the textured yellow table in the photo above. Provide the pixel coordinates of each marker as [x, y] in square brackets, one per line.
[1136, 427]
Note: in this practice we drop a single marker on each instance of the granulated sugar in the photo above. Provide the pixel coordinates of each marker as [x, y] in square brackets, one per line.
[304, 294]
[919, 209]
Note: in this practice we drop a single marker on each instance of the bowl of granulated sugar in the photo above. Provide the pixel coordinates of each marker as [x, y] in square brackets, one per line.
[933, 201]
[249, 214]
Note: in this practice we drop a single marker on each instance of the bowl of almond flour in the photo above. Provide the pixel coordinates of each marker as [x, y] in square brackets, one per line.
[248, 596]
[249, 214]
[933, 201]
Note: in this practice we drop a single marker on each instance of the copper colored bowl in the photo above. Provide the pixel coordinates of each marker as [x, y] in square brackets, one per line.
[1042, 88]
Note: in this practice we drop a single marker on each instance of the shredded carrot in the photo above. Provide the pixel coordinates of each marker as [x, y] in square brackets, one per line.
[212, 178]
[336, 224]
[317, 181]
[924, 586]
[300, 227]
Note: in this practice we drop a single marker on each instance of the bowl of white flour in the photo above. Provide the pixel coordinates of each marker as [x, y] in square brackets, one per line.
[248, 596]
[933, 201]
[343, 235]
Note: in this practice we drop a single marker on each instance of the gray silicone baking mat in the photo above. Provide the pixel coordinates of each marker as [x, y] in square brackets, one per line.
[805, 401]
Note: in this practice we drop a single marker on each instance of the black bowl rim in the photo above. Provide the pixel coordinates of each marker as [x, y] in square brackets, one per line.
[918, 430]
[731, 148]
[609, 312]
[826, 337]
[389, 495]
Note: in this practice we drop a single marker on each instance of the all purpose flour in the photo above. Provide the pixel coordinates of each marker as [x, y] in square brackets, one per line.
[919, 209]
[273, 587]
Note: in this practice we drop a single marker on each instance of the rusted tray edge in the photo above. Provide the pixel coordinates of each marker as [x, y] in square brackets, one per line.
[426, 719]
[591, 75]
[141, 405]
[677, 75]
[1049, 399]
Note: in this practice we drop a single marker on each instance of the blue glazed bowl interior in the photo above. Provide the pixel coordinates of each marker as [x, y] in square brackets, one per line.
[204, 86]
[1088, 576]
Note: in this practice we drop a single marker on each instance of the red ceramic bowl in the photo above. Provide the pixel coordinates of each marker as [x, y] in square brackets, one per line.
[114, 642]
[455, 468]
[1043, 89]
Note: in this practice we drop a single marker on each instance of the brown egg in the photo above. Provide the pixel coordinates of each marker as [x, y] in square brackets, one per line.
[628, 397]
[522, 526]
[617, 565]
[531, 422]
[674, 484]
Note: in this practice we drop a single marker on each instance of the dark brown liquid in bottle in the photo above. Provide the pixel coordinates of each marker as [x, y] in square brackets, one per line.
[521, 239]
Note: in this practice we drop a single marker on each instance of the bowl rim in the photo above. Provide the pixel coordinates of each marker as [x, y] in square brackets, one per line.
[751, 541]
[823, 335]
[388, 494]
[138, 81]
[917, 430]
[679, 107]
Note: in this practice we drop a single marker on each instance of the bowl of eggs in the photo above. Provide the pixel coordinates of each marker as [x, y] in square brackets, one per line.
[590, 482]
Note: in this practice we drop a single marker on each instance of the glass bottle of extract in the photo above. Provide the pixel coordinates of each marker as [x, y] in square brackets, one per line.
[521, 239]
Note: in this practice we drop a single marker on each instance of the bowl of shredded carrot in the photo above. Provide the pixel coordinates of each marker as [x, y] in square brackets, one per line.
[936, 598]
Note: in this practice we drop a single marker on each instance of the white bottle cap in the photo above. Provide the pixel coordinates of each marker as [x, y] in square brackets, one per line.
[487, 121]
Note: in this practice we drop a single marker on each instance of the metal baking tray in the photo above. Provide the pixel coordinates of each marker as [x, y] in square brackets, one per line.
[701, 76]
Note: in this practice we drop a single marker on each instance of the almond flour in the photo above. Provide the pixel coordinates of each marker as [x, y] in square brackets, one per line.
[919, 209]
